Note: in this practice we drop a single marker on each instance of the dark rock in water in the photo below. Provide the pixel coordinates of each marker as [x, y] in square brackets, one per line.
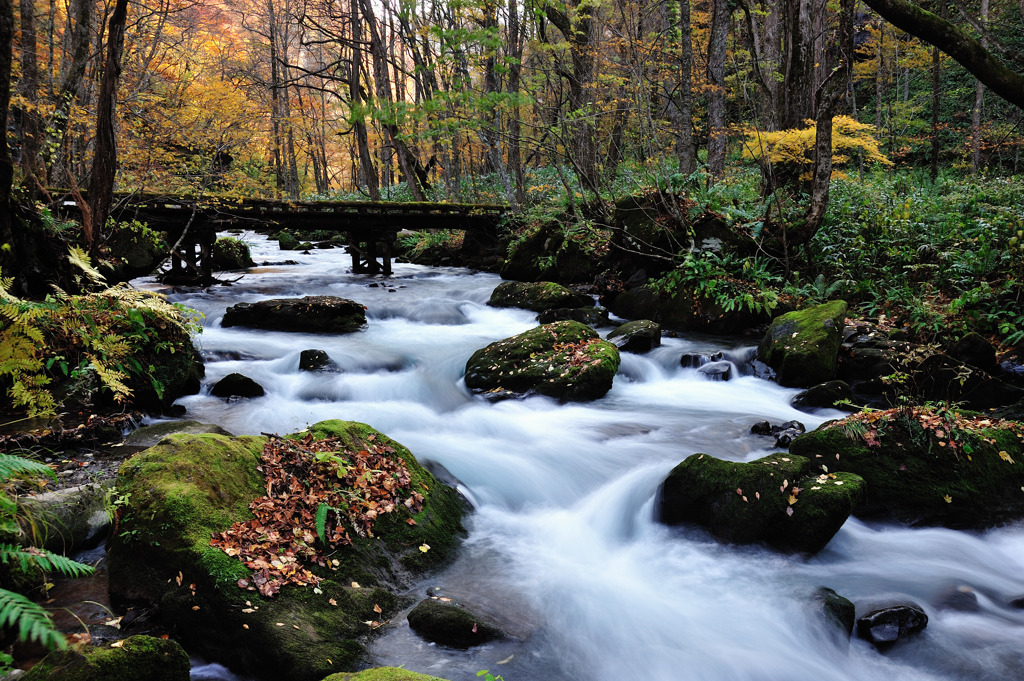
[537, 296]
[762, 370]
[692, 360]
[639, 336]
[231, 254]
[139, 657]
[287, 242]
[566, 360]
[776, 499]
[314, 314]
[838, 612]
[1017, 602]
[783, 434]
[803, 346]
[961, 597]
[716, 371]
[828, 395]
[591, 316]
[450, 624]
[974, 349]
[237, 385]
[888, 625]
[314, 360]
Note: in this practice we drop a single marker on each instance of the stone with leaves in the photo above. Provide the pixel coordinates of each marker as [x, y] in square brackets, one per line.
[278, 556]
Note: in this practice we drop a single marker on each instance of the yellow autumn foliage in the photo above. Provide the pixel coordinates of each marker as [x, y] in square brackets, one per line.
[794, 148]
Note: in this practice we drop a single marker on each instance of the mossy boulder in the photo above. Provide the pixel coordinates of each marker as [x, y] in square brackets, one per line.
[311, 314]
[783, 501]
[231, 254]
[683, 310]
[567, 360]
[548, 251]
[147, 436]
[450, 624]
[287, 242]
[803, 346]
[132, 250]
[189, 487]
[639, 335]
[537, 296]
[924, 476]
[382, 674]
[137, 658]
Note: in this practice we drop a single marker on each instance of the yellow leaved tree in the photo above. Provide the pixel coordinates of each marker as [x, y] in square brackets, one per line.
[788, 155]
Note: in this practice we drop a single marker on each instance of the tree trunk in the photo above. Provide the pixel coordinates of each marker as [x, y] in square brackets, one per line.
[684, 137]
[382, 84]
[104, 166]
[8, 257]
[70, 86]
[515, 69]
[717, 44]
[355, 89]
[29, 89]
[967, 50]
[979, 99]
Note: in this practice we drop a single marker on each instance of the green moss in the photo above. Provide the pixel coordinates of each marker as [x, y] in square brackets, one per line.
[139, 657]
[537, 296]
[534, 361]
[286, 242]
[909, 476]
[382, 674]
[802, 346]
[190, 486]
[757, 502]
[231, 254]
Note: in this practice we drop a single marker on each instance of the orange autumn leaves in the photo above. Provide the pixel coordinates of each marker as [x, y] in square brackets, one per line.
[303, 477]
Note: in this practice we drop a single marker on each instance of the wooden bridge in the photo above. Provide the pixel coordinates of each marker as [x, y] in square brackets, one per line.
[370, 227]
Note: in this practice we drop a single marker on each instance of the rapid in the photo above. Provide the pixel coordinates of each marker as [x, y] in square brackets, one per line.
[563, 549]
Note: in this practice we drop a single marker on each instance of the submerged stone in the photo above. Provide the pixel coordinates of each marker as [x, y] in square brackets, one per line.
[888, 625]
[450, 624]
[237, 385]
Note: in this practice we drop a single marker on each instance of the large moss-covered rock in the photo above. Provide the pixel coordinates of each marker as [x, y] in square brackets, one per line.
[382, 674]
[803, 346]
[780, 500]
[567, 360]
[231, 254]
[312, 314]
[189, 487]
[639, 335]
[137, 658]
[537, 296]
[132, 250]
[921, 470]
[546, 252]
[684, 310]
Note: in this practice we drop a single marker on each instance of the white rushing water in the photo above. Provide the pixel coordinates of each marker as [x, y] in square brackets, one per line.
[563, 548]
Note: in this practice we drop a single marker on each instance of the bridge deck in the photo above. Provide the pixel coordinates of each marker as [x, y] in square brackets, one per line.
[371, 226]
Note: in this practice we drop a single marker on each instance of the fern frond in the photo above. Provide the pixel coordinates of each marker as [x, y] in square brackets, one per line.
[80, 259]
[31, 620]
[11, 465]
[46, 560]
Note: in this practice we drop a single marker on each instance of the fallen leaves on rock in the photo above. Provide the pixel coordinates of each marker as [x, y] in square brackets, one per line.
[303, 477]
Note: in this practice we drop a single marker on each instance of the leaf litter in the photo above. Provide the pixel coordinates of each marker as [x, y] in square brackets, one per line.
[317, 493]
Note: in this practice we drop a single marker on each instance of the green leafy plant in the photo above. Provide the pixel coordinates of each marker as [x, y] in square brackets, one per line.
[17, 611]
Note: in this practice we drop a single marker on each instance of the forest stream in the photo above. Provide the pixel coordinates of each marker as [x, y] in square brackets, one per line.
[563, 549]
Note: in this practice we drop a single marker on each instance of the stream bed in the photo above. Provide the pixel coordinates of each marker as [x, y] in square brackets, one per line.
[563, 550]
